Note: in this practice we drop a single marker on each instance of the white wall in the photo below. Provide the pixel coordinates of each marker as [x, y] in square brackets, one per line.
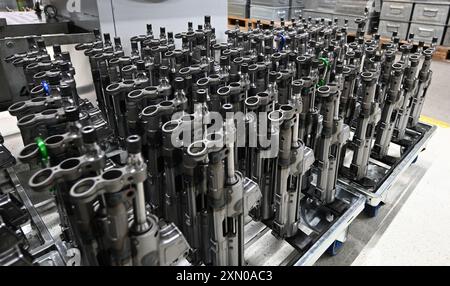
[131, 16]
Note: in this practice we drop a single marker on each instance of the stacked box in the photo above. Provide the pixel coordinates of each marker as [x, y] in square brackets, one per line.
[395, 17]
[238, 8]
[275, 9]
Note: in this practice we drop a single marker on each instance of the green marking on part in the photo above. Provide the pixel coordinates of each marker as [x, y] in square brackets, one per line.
[325, 61]
[42, 149]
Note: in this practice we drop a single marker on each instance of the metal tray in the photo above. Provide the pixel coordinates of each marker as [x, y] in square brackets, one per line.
[386, 175]
[262, 248]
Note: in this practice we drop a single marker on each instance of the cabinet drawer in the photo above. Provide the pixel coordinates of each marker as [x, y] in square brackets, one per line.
[298, 3]
[296, 12]
[269, 13]
[321, 5]
[352, 7]
[427, 32]
[396, 11]
[433, 14]
[271, 3]
[386, 28]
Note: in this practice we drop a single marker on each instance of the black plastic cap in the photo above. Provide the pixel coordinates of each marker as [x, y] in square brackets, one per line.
[226, 108]
[57, 49]
[339, 68]
[207, 19]
[244, 68]
[201, 95]
[53, 78]
[107, 37]
[273, 75]
[89, 134]
[296, 87]
[179, 83]
[64, 66]
[164, 71]
[134, 144]
[224, 61]
[134, 45]
[170, 35]
[140, 65]
[40, 43]
[66, 90]
[162, 30]
[72, 113]
[117, 41]
[66, 56]
[315, 63]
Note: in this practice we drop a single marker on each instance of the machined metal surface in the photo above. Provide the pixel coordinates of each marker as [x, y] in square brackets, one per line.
[221, 154]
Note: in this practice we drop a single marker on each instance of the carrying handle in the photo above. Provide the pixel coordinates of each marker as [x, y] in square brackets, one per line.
[396, 9]
[429, 12]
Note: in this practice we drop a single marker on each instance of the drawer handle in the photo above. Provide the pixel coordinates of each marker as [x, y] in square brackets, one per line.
[393, 28]
[426, 32]
[428, 12]
[396, 10]
[281, 13]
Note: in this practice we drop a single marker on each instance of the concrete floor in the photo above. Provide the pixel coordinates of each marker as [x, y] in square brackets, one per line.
[420, 233]
[413, 228]
[437, 105]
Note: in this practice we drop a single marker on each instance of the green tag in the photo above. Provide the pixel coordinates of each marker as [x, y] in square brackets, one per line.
[42, 150]
[325, 61]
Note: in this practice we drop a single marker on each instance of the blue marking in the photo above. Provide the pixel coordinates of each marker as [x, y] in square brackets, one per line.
[282, 42]
[46, 87]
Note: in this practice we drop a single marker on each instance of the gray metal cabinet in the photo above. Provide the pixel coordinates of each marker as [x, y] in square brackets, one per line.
[321, 5]
[397, 11]
[433, 14]
[269, 13]
[237, 8]
[425, 32]
[447, 38]
[386, 28]
[272, 3]
[354, 7]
